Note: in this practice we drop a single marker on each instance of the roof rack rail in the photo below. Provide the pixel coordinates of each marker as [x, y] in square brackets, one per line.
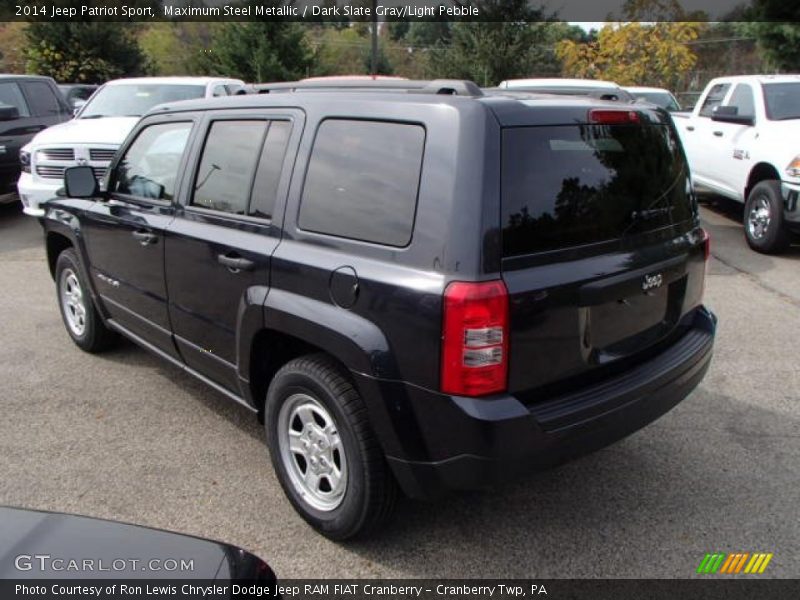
[450, 87]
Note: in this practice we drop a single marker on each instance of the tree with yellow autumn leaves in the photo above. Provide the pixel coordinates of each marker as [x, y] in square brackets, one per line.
[650, 47]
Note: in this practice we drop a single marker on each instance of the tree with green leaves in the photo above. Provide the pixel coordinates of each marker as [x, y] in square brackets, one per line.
[776, 26]
[90, 52]
[260, 51]
[174, 48]
[426, 34]
[513, 40]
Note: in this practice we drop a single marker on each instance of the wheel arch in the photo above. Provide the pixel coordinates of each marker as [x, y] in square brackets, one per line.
[270, 349]
[56, 243]
[295, 325]
[762, 171]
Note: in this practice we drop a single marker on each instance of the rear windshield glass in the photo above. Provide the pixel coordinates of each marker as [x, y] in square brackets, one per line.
[782, 100]
[133, 100]
[571, 185]
[662, 99]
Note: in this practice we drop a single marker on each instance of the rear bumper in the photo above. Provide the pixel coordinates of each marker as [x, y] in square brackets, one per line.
[436, 443]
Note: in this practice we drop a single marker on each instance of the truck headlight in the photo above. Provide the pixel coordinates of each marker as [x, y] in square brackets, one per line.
[25, 161]
[793, 170]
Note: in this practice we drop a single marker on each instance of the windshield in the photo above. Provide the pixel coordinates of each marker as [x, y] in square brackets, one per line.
[133, 100]
[782, 101]
[571, 185]
[662, 99]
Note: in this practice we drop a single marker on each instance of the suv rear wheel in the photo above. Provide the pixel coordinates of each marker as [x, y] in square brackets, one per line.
[81, 319]
[324, 451]
[763, 218]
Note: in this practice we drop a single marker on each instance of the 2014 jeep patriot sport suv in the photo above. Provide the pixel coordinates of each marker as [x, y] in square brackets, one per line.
[413, 290]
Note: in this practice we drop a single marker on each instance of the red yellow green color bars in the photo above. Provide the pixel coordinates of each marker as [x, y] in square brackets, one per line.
[731, 564]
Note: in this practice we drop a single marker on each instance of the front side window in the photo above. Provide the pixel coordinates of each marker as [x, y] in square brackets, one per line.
[11, 95]
[362, 181]
[149, 168]
[714, 99]
[742, 98]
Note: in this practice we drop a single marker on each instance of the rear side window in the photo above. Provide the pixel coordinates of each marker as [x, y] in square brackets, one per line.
[239, 156]
[782, 101]
[714, 99]
[362, 181]
[571, 185]
[270, 165]
[227, 166]
[11, 95]
[43, 99]
[149, 168]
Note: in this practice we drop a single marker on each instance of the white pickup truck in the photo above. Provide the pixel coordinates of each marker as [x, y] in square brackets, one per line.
[742, 141]
[100, 126]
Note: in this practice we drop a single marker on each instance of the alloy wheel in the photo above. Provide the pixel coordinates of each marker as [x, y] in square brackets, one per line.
[312, 452]
[73, 302]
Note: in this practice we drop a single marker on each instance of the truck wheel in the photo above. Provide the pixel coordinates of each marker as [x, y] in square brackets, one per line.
[80, 316]
[324, 451]
[763, 218]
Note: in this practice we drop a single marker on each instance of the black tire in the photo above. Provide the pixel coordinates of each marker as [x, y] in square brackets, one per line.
[765, 233]
[370, 490]
[93, 336]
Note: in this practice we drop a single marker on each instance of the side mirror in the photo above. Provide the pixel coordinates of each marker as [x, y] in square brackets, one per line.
[730, 114]
[8, 113]
[80, 182]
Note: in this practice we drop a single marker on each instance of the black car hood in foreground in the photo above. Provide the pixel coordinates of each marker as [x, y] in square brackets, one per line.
[46, 545]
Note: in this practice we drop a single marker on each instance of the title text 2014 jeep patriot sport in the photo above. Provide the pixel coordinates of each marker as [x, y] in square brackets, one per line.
[411, 289]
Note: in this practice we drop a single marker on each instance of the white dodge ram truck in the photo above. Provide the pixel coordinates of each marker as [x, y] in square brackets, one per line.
[101, 125]
[743, 141]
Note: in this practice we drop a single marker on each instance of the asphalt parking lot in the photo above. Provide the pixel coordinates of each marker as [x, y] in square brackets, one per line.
[125, 436]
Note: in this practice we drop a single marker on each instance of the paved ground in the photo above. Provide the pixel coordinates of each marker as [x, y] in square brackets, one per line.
[126, 437]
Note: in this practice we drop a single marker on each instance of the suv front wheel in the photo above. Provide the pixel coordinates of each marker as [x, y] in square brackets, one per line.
[81, 319]
[324, 451]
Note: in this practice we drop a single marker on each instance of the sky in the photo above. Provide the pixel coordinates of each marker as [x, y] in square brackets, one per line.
[589, 25]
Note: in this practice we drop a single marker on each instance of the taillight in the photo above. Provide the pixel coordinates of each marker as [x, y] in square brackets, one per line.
[613, 117]
[706, 245]
[475, 338]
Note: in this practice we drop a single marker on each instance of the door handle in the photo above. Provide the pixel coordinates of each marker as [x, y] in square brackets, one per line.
[144, 237]
[235, 263]
[690, 128]
[718, 133]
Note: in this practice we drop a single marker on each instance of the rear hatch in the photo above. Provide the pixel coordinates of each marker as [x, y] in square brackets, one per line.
[602, 253]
